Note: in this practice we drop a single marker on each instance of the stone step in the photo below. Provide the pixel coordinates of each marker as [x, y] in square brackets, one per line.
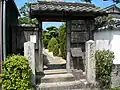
[78, 74]
[56, 66]
[57, 78]
[55, 71]
[71, 85]
[61, 85]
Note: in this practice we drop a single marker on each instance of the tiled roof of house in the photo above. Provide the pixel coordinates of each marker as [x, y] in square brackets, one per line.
[111, 9]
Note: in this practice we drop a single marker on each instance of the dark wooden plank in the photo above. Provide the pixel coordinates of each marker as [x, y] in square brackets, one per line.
[79, 37]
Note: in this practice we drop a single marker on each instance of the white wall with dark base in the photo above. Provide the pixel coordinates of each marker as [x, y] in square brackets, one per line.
[110, 40]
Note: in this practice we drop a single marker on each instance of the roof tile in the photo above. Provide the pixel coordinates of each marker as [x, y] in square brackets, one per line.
[65, 6]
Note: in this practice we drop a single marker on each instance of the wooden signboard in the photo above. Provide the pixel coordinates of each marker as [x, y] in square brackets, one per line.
[77, 52]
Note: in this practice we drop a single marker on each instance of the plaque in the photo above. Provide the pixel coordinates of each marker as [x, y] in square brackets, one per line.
[77, 52]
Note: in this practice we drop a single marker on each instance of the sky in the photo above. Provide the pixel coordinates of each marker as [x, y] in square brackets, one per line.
[99, 3]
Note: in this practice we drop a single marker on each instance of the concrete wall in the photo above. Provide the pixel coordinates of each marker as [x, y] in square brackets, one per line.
[109, 39]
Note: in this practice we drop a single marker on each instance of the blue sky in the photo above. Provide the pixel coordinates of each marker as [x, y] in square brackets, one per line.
[99, 3]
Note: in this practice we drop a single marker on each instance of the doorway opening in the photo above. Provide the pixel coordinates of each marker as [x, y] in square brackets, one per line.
[54, 45]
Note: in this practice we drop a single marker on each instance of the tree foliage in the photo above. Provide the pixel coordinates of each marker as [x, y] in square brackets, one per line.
[45, 42]
[24, 10]
[52, 43]
[56, 50]
[51, 32]
[25, 19]
[62, 38]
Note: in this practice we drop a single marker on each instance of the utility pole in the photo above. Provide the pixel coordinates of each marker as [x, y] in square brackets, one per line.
[1, 9]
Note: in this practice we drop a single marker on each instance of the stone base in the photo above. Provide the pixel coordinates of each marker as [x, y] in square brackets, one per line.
[115, 76]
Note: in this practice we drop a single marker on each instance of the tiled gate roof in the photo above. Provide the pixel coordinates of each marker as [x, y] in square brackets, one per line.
[65, 7]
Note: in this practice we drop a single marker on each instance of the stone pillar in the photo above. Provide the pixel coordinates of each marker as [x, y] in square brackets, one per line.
[29, 52]
[115, 76]
[68, 45]
[40, 62]
[90, 61]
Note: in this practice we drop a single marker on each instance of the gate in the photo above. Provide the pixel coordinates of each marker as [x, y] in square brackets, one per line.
[79, 35]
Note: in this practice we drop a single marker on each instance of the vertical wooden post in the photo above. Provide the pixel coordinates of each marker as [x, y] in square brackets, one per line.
[90, 28]
[40, 48]
[68, 24]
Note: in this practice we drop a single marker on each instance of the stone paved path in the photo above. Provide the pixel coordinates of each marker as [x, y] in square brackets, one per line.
[53, 60]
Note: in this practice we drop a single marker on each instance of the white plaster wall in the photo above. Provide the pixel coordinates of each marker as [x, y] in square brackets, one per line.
[109, 39]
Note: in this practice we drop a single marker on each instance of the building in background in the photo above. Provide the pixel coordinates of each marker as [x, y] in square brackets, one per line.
[8, 17]
[108, 38]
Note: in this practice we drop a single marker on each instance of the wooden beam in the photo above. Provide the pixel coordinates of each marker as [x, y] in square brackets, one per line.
[62, 18]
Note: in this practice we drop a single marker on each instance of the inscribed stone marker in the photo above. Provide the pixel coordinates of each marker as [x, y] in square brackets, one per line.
[29, 52]
[90, 61]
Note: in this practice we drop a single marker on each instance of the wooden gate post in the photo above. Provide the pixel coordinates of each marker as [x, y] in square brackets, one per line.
[40, 48]
[68, 45]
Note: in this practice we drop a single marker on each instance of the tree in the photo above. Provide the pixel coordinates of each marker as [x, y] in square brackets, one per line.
[51, 32]
[62, 38]
[52, 43]
[24, 10]
[25, 19]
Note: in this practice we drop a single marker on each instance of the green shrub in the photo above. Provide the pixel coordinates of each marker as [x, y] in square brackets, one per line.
[63, 50]
[16, 73]
[45, 43]
[104, 61]
[116, 88]
[51, 44]
[56, 50]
